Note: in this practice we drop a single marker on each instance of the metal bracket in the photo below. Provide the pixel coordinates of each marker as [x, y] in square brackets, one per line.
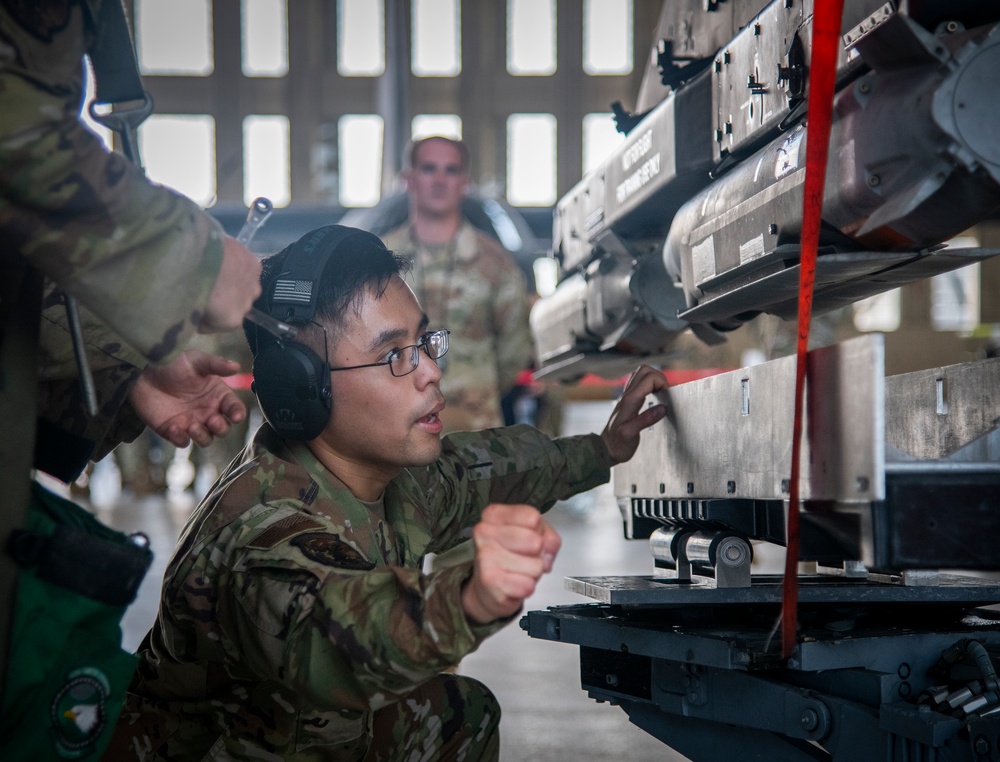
[125, 121]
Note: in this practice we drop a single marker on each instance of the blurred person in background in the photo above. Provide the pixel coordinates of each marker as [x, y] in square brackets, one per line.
[465, 280]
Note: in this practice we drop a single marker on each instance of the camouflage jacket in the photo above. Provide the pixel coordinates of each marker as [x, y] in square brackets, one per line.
[291, 609]
[65, 428]
[474, 288]
[143, 258]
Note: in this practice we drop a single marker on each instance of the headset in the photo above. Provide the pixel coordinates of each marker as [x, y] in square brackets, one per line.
[291, 381]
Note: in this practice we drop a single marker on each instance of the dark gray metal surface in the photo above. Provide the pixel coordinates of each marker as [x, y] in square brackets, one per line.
[860, 686]
[651, 590]
[841, 280]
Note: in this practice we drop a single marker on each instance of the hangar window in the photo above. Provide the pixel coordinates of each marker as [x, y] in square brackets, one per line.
[437, 38]
[531, 37]
[179, 151]
[955, 300]
[174, 37]
[359, 148]
[265, 159]
[600, 138]
[878, 313]
[531, 159]
[955, 295]
[264, 37]
[607, 36]
[449, 125]
[360, 38]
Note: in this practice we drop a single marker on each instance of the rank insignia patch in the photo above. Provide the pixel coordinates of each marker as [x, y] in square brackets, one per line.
[330, 550]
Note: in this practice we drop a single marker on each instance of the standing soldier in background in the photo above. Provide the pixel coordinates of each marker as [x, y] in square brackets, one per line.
[465, 280]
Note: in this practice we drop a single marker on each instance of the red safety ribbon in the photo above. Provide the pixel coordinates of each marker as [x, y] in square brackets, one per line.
[822, 79]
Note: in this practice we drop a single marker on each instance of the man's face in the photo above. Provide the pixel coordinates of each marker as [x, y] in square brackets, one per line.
[380, 421]
[437, 181]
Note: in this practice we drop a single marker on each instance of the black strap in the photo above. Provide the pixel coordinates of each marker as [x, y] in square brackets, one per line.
[117, 81]
[21, 297]
[60, 453]
[84, 563]
[113, 57]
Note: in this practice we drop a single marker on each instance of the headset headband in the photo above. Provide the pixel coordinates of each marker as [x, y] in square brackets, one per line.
[292, 297]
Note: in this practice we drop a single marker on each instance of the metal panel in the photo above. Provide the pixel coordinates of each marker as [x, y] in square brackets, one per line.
[934, 413]
[730, 435]
[949, 590]
[841, 280]
[738, 638]
[750, 99]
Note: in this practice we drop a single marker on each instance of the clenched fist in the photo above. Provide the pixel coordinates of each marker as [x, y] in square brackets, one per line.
[515, 546]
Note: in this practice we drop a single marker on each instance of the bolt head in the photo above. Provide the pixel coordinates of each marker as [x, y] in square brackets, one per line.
[809, 719]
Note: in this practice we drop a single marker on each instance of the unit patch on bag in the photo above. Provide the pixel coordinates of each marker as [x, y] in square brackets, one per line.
[79, 712]
[68, 673]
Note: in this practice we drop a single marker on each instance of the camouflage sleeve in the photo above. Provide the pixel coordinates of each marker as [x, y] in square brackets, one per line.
[61, 410]
[114, 367]
[514, 347]
[314, 614]
[515, 464]
[141, 256]
[57, 359]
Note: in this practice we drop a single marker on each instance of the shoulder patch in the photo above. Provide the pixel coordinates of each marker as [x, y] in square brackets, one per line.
[281, 530]
[330, 550]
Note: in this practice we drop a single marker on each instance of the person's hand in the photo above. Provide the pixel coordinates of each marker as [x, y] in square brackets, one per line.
[515, 546]
[621, 435]
[235, 290]
[187, 399]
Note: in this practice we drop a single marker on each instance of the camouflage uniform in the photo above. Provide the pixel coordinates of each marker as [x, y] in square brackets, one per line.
[472, 287]
[143, 258]
[296, 624]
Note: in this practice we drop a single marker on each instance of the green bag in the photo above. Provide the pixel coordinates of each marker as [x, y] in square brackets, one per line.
[67, 672]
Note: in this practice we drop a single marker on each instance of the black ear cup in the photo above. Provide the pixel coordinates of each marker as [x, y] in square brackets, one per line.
[292, 385]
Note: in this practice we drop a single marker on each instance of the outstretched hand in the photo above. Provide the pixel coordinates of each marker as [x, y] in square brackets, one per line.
[621, 435]
[187, 399]
[515, 546]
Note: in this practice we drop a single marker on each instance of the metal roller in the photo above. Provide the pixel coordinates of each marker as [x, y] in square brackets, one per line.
[726, 553]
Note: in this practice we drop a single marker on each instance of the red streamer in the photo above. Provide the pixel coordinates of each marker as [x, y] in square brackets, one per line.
[822, 80]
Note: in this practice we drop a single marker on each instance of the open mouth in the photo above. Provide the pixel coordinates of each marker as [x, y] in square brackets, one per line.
[432, 419]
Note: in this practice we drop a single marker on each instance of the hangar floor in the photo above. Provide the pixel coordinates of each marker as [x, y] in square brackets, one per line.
[547, 716]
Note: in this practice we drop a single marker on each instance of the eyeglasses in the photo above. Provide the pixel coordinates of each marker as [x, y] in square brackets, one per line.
[404, 360]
